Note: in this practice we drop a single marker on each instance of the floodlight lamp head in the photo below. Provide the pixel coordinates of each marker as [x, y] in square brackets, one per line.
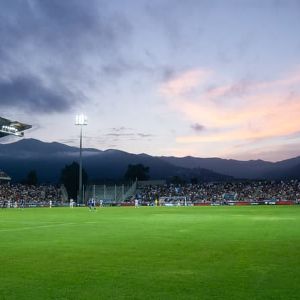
[81, 119]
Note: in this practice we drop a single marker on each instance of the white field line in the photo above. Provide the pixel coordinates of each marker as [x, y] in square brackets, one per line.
[42, 226]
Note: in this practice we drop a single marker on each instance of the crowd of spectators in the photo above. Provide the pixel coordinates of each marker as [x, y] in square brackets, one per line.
[222, 192]
[16, 195]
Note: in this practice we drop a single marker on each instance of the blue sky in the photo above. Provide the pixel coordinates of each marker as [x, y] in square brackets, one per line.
[201, 78]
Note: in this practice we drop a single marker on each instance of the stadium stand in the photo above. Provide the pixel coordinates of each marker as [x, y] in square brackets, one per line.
[17, 195]
[218, 193]
[229, 193]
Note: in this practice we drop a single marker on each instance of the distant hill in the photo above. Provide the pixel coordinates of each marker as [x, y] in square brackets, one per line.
[18, 158]
[252, 169]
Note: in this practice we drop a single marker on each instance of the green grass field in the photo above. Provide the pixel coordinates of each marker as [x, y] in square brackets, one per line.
[150, 253]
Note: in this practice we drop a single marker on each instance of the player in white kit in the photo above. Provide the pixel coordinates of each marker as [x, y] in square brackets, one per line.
[136, 203]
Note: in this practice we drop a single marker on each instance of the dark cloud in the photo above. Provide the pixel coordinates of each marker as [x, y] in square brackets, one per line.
[31, 93]
[71, 26]
[136, 135]
[149, 67]
[198, 127]
[168, 73]
[144, 135]
[166, 20]
[50, 47]
[121, 133]
[52, 51]
[121, 128]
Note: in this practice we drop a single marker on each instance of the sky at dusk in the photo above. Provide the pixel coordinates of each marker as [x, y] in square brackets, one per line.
[162, 77]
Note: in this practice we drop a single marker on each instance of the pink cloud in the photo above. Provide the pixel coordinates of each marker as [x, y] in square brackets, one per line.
[240, 87]
[184, 83]
[267, 109]
[252, 122]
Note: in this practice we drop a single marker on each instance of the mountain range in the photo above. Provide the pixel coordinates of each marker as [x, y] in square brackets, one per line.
[48, 159]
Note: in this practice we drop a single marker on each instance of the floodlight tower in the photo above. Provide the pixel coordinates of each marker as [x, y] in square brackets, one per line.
[81, 120]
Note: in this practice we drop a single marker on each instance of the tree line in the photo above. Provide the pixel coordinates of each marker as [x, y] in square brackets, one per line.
[69, 176]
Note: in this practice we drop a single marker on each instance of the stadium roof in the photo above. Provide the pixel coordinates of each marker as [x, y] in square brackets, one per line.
[8, 127]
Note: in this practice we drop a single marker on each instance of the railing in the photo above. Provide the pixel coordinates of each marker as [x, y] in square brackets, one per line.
[110, 193]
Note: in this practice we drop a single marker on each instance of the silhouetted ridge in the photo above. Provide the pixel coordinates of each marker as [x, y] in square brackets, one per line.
[18, 158]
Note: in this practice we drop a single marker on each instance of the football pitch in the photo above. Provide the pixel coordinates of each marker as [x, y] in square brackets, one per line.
[248, 252]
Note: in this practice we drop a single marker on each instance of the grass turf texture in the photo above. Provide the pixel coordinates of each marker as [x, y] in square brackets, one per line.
[150, 253]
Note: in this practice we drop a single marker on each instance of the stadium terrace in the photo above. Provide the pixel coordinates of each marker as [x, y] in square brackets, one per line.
[229, 193]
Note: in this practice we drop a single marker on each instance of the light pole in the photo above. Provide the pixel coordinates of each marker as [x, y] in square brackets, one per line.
[81, 120]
